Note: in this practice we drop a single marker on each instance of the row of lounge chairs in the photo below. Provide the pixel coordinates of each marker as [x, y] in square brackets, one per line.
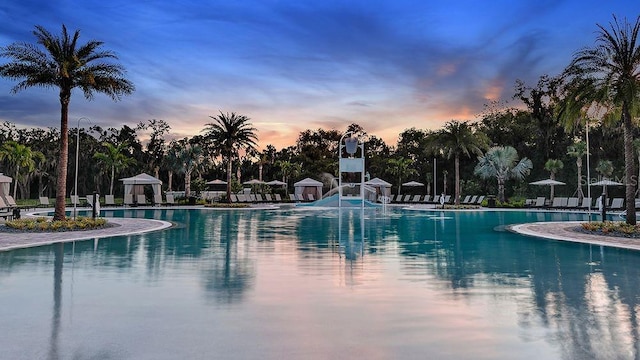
[573, 203]
[7, 207]
[428, 199]
[109, 200]
[251, 198]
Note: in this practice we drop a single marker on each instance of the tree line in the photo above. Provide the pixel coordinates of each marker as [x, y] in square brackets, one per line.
[598, 93]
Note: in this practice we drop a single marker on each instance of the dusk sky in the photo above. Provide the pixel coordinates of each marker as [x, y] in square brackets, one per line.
[293, 65]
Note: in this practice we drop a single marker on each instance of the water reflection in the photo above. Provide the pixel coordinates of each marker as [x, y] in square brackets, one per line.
[581, 300]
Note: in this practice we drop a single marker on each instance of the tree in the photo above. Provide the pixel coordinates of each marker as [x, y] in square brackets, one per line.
[115, 159]
[553, 166]
[605, 169]
[189, 157]
[156, 146]
[401, 167]
[457, 139]
[612, 66]
[64, 64]
[502, 164]
[20, 157]
[230, 133]
[578, 150]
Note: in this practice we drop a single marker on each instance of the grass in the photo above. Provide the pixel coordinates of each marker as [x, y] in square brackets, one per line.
[41, 224]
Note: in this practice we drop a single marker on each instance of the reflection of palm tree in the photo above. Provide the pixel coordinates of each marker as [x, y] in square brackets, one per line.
[58, 251]
[230, 277]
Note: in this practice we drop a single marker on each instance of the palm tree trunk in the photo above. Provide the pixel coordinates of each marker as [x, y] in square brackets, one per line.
[15, 185]
[63, 157]
[170, 180]
[229, 178]
[457, 186]
[501, 189]
[187, 183]
[629, 166]
[580, 194]
[113, 174]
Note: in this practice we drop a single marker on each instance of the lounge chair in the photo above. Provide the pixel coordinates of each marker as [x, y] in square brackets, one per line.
[5, 211]
[473, 200]
[586, 203]
[232, 197]
[466, 200]
[416, 198]
[109, 200]
[311, 197]
[447, 199]
[141, 200]
[157, 199]
[259, 198]
[170, 199]
[617, 204]
[572, 203]
[540, 202]
[277, 197]
[406, 198]
[128, 200]
[10, 201]
[436, 199]
[426, 198]
[292, 197]
[299, 197]
[479, 200]
[242, 198]
[75, 200]
[44, 201]
[268, 198]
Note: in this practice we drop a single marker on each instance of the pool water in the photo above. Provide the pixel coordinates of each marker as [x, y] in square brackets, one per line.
[322, 284]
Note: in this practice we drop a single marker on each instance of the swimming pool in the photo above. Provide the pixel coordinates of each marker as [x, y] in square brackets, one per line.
[292, 284]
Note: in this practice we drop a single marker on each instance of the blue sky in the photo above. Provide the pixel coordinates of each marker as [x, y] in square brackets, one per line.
[292, 65]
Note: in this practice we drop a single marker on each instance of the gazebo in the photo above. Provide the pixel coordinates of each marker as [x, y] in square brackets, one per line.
[309, 186]
[135, 185]
[382, 187]
[5, 183]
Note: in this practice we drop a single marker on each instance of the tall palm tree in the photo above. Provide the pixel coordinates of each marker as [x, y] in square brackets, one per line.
[189, 157]
[456, 139]
[64, 64]
[553, 166]
[20, 157]
[578, 150]
[502, 163]
[613, 68]
[230, 133]
[114, 158]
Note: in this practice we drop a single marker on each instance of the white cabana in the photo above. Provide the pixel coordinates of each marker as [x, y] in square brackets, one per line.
[135, 185]
[382, 187]
[5, 183]
[309, 186]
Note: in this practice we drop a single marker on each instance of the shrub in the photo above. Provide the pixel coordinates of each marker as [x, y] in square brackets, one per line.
[43, 224]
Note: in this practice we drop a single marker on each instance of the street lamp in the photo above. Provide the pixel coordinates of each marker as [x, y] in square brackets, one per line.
[75, 186]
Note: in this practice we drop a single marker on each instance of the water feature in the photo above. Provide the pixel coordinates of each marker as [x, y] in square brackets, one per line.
[322, 284]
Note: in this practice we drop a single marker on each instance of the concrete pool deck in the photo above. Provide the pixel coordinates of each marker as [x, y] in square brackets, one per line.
[559, 231]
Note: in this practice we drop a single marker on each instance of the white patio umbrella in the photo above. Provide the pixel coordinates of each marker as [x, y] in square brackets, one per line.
[276, 183]
[550, 182]
[547, 182]
[253, 182]
[216, 182]
[413, 183]
[606, 182]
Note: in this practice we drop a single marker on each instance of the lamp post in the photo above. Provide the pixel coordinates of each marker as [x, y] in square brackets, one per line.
[75, 185]
[588, 171]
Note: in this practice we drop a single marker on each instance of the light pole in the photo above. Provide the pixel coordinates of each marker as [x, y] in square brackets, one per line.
[75, 185]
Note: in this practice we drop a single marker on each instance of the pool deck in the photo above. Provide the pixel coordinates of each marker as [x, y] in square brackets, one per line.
[559, 231]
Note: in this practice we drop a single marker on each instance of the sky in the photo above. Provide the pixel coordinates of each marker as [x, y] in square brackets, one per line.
[292, 65]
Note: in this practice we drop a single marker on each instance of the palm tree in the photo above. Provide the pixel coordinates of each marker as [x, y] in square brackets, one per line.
[401, 167]
[230, 133]
[64, 64]
[189, 157]
[457, 139]
[605, 169]
[553, 166]
[21, 157]
[502, 163]
[612, 66]
[115, 159]
[578, 150]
